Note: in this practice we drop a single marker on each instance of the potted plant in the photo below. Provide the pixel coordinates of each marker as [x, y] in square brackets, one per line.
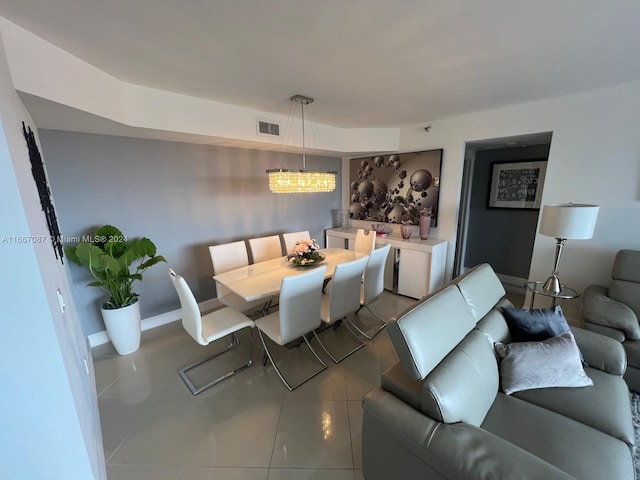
[116, 262]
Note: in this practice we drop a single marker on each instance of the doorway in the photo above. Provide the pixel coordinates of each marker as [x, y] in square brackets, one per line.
[501, 237]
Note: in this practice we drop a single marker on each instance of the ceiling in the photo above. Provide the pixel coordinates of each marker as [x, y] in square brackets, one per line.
[367, 63]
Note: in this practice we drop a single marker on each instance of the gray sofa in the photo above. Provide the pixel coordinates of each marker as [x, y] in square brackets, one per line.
[440, 413]
[615, 310]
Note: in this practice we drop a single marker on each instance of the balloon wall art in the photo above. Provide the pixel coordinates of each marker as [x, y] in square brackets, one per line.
[395, 188]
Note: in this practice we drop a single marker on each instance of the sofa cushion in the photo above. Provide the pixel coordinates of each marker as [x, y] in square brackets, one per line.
[535, 324]
[605, 407]
[626, 266]
[481, 289]
[463, 386]
[627, 293]
[625, 284]
[632, 347]
[573, 447]
[494, 325]
[442, 315]
[554, 362]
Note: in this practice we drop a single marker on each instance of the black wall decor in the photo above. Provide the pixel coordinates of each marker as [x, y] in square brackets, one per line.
[40, 177]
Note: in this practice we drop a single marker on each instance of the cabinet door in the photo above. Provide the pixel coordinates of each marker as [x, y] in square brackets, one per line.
[390, 271]
[336, 242]
[413, 273]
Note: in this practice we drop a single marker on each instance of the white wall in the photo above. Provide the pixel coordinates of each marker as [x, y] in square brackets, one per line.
[49, 416]
[594, 158]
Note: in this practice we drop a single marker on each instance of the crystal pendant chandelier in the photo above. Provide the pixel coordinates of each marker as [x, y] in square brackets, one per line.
[282, 180]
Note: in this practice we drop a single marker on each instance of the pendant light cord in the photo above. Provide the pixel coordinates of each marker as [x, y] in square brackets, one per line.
[304, 159]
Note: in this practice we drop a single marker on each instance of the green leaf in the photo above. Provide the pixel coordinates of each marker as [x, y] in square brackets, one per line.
[70, 252]
[109, 258]
[127, 258]
[147, 247]
[89, 255]
[110, 265]
[151, 262]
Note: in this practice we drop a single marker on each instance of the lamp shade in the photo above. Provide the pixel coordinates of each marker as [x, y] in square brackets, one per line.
[569, 220]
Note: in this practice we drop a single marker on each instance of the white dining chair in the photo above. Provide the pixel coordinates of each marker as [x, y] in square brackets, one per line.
[371, 289]
[208, 328]
[290, 239]
[365, 241]
[298, 315]
[341, 300]
[265, 248]
[229, 256]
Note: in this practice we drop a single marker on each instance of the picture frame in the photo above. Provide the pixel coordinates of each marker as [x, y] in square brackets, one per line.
[396, 188]
[517, 184]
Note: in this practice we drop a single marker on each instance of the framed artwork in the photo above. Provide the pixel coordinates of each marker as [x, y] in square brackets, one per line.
[517, 184]
[395, 188]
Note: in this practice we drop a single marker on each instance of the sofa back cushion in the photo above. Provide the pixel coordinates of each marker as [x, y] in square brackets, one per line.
[423, 335]
[494, 325]
[464, 385]
[481, 289]
[625, 284]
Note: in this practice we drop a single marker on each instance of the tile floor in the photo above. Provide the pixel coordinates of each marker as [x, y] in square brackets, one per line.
[247, 427]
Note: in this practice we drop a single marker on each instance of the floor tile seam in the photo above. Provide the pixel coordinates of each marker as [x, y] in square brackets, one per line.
[135, 425]
[204, 430]
[316, 400]
[101, 394]
[275, 437]
[353, 458]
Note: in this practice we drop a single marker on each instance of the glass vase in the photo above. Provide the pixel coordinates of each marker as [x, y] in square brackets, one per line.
[425, 225]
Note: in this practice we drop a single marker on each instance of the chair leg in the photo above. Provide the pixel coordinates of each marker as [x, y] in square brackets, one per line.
[234, 342]
[371, 333]
[350, 352]
[275, 367]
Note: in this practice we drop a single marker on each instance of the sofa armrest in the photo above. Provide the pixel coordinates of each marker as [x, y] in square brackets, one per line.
[454, 451]
[599, 309]
[601, 352]
[617, 335]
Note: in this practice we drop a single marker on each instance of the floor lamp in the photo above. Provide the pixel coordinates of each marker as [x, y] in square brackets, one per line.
[566, 221]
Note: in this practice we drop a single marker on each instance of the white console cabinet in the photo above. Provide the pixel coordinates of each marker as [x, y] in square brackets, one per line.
[414, 267]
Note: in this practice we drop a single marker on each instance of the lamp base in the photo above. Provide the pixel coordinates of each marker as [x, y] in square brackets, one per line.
[552, 285]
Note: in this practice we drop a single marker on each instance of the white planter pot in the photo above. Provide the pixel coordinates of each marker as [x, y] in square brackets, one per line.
[123, 328]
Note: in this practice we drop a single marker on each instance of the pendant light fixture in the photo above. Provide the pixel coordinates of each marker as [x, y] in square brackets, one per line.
[283, 180]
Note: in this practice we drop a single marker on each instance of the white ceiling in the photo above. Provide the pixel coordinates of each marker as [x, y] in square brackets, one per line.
[367, 63]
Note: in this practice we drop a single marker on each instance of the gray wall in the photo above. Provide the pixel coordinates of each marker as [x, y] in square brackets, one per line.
[184, 197]
[501, 237]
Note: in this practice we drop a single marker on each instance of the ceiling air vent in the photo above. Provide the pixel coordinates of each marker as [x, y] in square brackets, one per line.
[268, 128]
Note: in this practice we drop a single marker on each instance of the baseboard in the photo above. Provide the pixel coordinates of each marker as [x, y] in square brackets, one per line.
[100, 338]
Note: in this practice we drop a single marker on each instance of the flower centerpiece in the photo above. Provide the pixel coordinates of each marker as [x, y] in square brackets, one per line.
[305, 253]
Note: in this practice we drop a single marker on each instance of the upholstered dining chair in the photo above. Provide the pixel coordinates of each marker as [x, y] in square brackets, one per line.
[372, 287]
[229, 256]
[298, 315]
[341, 300]
[365, 241]
[265, 248]
[290, 239]
[208, 328]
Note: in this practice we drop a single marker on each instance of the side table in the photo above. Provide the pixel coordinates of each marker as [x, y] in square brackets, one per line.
[537, 288]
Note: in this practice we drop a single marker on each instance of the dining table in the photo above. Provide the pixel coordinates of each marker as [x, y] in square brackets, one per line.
[263, 279]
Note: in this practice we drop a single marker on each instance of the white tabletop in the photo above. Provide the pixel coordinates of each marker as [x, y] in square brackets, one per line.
[263, 279]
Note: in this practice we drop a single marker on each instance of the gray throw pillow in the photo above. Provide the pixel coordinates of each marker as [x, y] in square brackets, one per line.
[554, 362]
